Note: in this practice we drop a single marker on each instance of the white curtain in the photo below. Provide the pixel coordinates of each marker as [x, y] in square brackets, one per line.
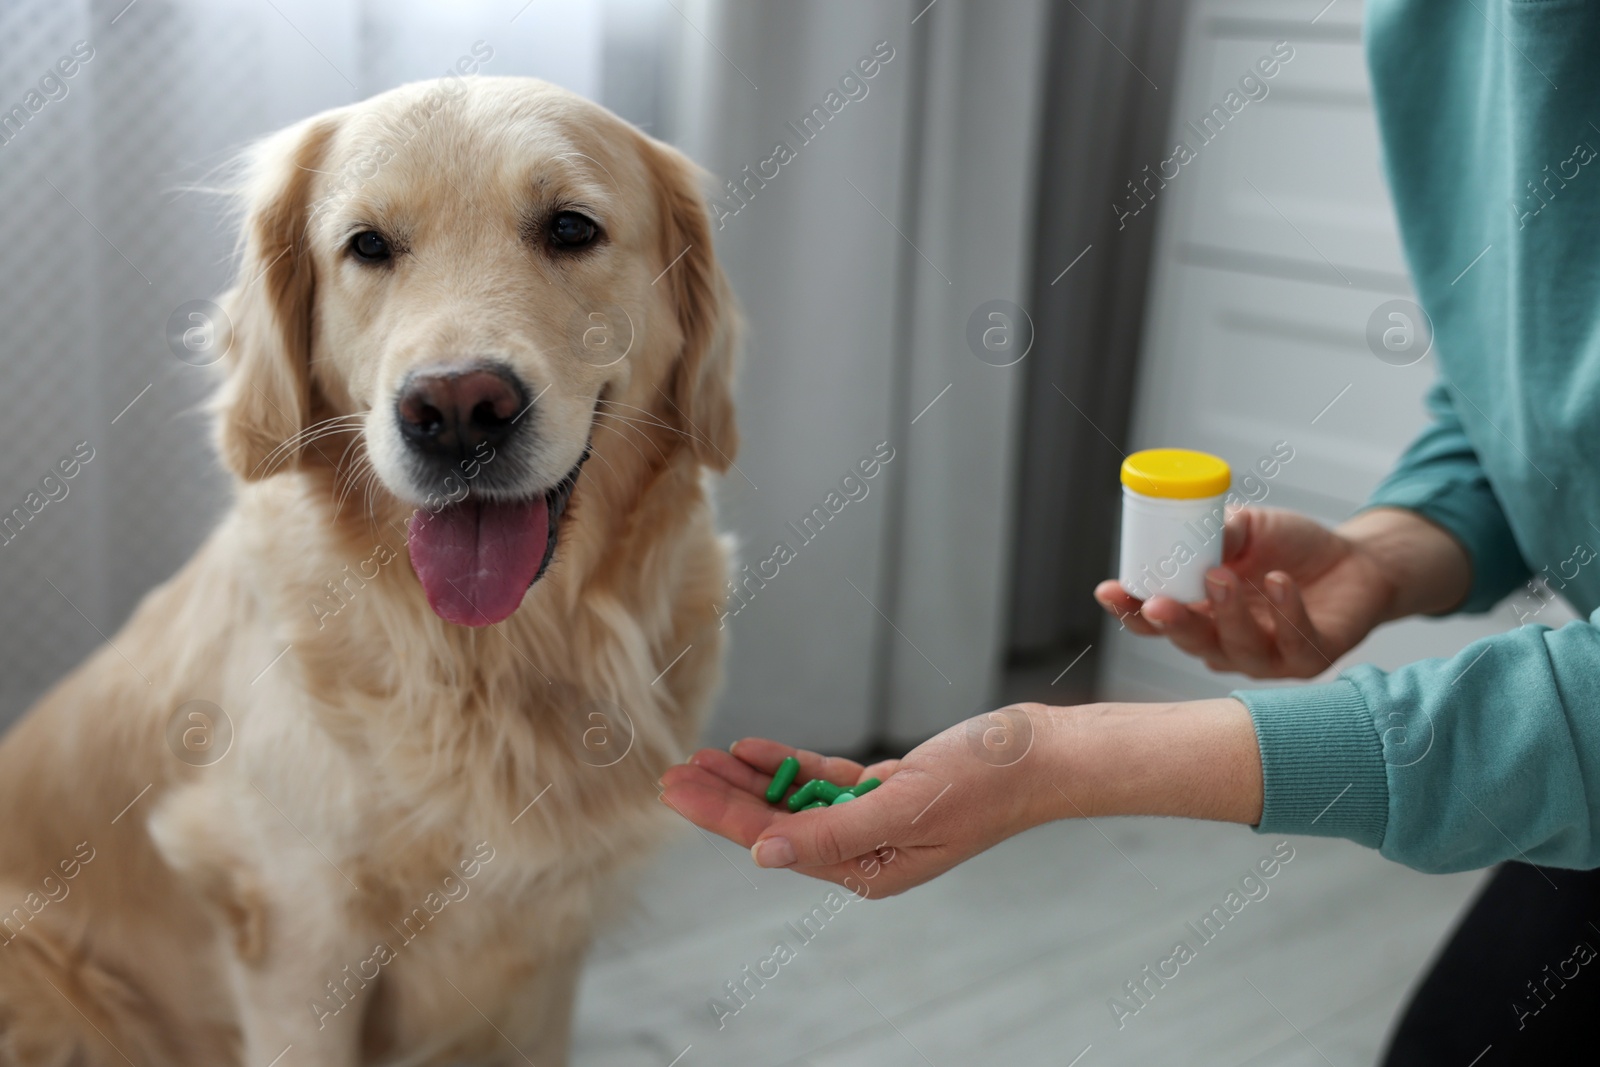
[860, 265]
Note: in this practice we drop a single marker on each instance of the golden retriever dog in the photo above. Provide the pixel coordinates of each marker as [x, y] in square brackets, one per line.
[354, 785]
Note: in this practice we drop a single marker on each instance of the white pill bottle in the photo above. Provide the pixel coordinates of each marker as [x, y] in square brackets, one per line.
[1172, 514]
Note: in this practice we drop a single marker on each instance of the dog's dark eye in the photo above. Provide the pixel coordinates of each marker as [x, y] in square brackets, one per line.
[568, 229]
[370, 246]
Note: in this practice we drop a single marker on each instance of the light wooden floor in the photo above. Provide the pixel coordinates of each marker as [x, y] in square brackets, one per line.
[1012, 959]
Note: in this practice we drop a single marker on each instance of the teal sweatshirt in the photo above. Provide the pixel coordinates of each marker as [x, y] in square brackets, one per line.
[1490, 116]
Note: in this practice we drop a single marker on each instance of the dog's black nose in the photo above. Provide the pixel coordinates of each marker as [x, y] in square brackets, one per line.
[452, 414]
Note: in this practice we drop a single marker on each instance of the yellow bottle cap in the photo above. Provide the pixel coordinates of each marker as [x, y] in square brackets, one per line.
[1176, 474]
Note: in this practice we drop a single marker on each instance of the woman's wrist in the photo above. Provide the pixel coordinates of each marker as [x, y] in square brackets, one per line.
[1425, 569]
[1197, 759]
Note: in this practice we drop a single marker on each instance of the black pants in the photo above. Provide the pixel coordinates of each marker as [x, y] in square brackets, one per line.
[1517, 983]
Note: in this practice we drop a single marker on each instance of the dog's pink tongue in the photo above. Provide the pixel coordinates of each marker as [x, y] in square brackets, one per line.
[477, 559]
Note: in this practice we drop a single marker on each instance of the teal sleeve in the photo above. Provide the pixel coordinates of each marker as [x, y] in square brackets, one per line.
[1440, 478]
[1446, 764]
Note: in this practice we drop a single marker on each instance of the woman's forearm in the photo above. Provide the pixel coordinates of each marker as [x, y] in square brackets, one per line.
[1198, 759]
[1427, 570]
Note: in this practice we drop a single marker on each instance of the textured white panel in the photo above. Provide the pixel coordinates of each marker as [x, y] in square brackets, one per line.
[557, 40]
[103, 244]
[50, 304]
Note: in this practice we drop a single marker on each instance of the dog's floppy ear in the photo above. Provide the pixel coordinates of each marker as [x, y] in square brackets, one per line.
[699, 390]
[266, 400]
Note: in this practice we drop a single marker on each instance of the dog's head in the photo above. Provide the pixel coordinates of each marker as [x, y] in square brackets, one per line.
[445, 291]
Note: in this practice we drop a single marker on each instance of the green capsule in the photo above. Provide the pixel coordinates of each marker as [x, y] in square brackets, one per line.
[862, 788]
[828, 791]
[815, 804]
[805, 795]
[844, 797]
[783, 779]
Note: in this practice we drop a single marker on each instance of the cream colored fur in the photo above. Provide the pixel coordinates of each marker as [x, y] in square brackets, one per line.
[378, 784]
